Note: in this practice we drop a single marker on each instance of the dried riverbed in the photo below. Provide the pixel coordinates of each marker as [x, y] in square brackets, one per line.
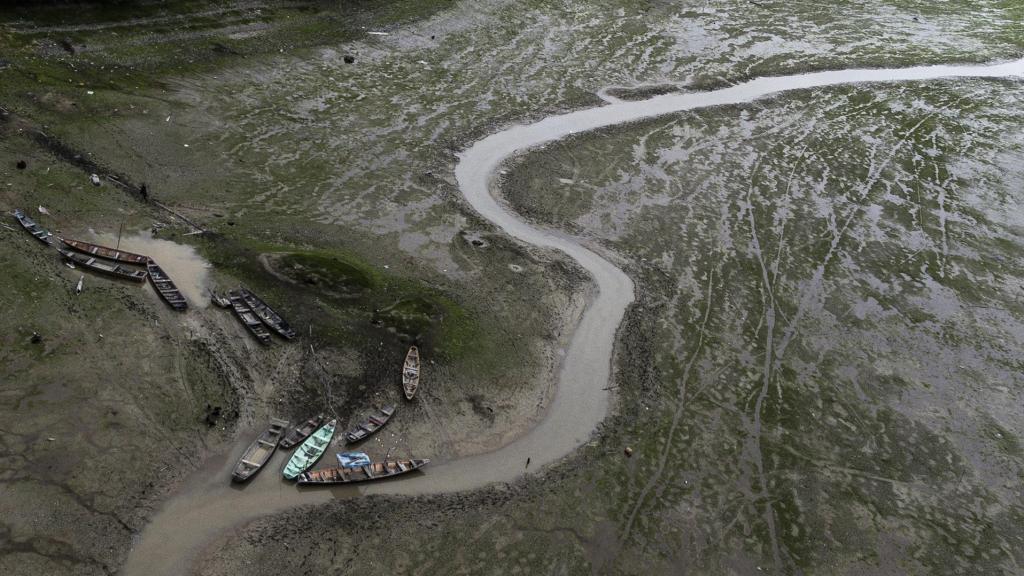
[251, 120]
[210, 506]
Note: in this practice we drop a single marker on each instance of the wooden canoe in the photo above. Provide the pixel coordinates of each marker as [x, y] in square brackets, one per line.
[34, 229]
[105, 252]
[301, 432]
[165, 287]
[108, 268]
[268, 315]
[411, 372]
[375, 471]
[246, 316]
[259, 452]
[367, 427]
[310, 451]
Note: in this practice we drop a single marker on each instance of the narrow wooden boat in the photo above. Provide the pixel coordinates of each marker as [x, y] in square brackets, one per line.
[370, 425]
[259, 452]
[105, 252]
[267, 314]
[247, 317]
[33, 228]
[310, 451]
[301, 432]
[165, 287]
[375, 471]
[110, 269]
[411, 372]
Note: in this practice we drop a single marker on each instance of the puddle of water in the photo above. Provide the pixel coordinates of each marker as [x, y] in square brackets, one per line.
[189, 271]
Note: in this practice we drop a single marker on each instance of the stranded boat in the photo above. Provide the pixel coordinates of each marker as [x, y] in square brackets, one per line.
[33, 228]
[115, 270]
[248, 318]
[301, 432]
[164, 287]
[310, 451]
[370, 425]
[375, 471]
[267, 314]
[259, 452]
[411, 372]
[105, 252]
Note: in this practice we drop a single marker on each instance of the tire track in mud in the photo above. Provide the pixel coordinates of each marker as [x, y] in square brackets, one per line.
[207, 505]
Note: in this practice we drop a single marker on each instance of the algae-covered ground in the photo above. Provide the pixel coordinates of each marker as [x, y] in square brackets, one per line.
[821, 374]
[834, 282]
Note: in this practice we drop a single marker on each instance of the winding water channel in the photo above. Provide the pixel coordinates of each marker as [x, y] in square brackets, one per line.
[207, 505]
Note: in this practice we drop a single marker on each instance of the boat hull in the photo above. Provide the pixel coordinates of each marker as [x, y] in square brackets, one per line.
[370, 426]
[298, 435]
[105, 252]
[375, 471]
[163, 285]
[32, 228]
[248, 318]
[411, 372]
[259, 452]
[108, 269]
[310, 451]
[268, 315]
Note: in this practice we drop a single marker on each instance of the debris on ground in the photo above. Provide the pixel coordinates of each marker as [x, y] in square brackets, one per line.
[628, 451]
[94, 179]
[213, 414]
[43, 210]
[36, 338]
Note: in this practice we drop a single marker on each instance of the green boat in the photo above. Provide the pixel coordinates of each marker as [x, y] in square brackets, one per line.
[310, 451]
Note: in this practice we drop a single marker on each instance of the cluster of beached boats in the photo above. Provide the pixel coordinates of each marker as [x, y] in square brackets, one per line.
[311, 438]
[109, 261]
[255, 314]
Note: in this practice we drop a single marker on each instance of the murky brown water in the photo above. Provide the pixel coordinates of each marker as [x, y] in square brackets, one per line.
[189, 271]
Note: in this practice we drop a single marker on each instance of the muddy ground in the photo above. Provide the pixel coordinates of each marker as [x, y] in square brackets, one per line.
[122, 397]
[884, 441]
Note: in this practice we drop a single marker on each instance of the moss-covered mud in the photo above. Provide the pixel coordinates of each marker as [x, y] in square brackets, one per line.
[821, 374]
[837, 328]
[122, 397]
